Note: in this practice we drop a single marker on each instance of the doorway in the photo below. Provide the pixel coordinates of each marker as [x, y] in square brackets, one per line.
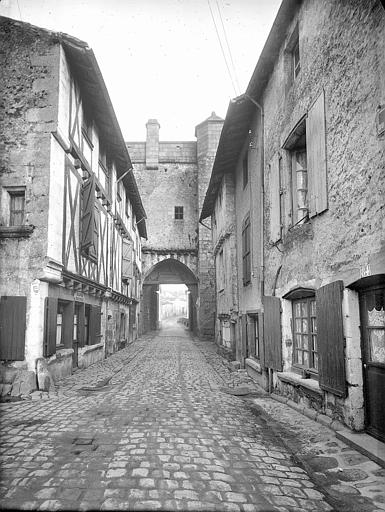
[372, 313]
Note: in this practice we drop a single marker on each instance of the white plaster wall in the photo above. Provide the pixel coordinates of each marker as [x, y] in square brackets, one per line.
[35, 322]
[56, 197]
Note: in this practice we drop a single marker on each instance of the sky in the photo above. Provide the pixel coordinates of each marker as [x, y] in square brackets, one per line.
[162, 58]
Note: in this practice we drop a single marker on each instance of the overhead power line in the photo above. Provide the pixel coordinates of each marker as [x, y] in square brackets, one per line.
[229, 50]
[222, 49]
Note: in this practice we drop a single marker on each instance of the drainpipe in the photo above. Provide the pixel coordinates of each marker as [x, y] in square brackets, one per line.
[262, 190]
[270, 371]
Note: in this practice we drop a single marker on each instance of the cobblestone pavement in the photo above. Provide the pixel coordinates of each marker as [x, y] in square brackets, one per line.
[153, 428]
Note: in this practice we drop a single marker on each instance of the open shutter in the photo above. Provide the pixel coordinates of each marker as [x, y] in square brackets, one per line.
[275, 214]
[95, 323]
[330, 338]
[12, 328]
[316, 157]
[68, 324]
[244, 335]
[88, 214]
[81, 325]
[272, 333]
[127, 260]
[50, 326]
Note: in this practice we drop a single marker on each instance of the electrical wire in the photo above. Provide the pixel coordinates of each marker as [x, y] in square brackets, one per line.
[223, 52]
[238, 92]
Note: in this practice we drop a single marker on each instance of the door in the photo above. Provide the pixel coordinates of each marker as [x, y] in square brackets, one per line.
[76, 335]
[372, 311]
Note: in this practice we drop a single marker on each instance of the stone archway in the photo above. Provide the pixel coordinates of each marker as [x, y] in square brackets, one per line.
[167, 271]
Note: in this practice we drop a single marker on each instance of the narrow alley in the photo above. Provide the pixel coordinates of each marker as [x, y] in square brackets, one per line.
[158, 426]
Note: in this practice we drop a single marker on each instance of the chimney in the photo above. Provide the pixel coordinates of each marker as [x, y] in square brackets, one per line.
[152, 144]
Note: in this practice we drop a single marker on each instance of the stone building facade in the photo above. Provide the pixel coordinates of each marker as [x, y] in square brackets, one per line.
[71, 217]
[172, 178]
[311, 127]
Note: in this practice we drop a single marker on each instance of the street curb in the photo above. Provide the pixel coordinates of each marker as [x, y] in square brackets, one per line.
[324, 420]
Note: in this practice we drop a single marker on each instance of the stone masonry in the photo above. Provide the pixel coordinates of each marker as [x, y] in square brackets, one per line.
[169, 175]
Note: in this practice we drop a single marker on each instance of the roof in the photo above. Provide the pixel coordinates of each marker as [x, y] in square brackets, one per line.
[86, 69]
[241, 109]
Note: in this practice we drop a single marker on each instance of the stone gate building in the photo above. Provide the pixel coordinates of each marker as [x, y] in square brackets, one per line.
[172, 178]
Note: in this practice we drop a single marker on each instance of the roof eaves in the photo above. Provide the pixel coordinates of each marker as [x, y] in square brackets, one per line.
[254, 90]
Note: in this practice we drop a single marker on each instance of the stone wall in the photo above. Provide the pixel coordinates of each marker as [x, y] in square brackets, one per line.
[345, 59]
[28, 114]
[173, 174]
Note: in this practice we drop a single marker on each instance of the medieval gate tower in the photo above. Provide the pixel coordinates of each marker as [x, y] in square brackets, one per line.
[172, 178]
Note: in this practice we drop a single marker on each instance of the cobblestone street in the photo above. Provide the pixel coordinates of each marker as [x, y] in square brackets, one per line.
[152, 428]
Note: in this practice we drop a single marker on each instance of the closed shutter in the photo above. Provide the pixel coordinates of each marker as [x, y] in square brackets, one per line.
[95, 323]
[50, 326]
[127, 259]
[12, 328]
[330, 338]
[316, 157]
[275, 214]
[272, 333]
[88, 216]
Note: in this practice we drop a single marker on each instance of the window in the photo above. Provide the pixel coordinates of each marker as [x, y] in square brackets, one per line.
[220, 271]
[296, 59]
[16, 207]
[122, 326]
[305, 333]
[103, 169]
[300, 184]
[281, 197]
[296, 144]
[252, 332]
[127, 205]
[178, 212]
[245, 168]
[59, 325]
[246, 251]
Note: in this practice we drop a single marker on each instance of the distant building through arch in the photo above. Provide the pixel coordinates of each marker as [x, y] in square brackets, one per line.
[172, 178]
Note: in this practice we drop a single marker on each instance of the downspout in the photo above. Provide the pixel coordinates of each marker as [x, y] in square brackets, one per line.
[262, 214]
[262, 191]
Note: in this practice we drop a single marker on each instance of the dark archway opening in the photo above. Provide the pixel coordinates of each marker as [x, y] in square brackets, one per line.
[168, 272]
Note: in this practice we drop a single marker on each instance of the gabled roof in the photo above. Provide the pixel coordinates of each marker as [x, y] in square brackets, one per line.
[241, 109]
[86, 69]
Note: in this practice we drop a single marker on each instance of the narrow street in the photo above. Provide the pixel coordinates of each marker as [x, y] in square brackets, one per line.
[153, 428]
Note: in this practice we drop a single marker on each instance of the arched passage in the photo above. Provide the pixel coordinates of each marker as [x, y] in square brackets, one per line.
[168, 271]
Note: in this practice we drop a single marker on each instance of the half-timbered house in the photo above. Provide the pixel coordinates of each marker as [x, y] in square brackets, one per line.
[72, 219]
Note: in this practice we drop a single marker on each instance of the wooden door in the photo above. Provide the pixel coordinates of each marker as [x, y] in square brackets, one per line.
[372, 310]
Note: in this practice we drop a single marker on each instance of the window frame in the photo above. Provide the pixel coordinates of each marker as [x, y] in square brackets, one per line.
[246, 251]
[13, 194]
[245, 170]
[178, 213]
[311, 333]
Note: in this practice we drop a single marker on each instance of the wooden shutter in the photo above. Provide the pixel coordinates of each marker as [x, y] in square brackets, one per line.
[68, 324]
[88, 214]
[50, 326]
[12, 327]
[316, 157]
[127, 256]
[81, 325]
[275, 206]
[330, 338]
[272, 347]
[94, 325]
[244, 336]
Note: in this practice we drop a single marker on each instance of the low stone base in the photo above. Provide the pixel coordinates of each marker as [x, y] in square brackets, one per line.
[90, 354]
